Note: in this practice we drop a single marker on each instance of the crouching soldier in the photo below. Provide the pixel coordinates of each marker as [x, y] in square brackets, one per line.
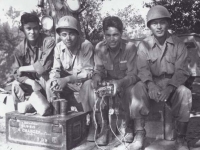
[33, 59]
[162, 67]
[73, 63]
[115, 61]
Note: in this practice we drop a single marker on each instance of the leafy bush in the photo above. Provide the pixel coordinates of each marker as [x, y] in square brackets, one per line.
[9, 39]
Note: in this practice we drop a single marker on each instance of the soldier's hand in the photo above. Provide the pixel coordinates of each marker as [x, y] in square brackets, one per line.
[61, 82]
[117, 86]
[54, 86]
[154, 91]
[164, 95]
[96, 79]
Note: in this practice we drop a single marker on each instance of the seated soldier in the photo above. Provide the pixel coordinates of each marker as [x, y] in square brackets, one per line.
[115, 62]
[33, 59]
[162, 67]
[73, 63]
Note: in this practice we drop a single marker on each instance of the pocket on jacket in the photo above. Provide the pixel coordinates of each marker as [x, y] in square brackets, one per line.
[123, 66]
[170, 59]
[152, 60]
[108, 66]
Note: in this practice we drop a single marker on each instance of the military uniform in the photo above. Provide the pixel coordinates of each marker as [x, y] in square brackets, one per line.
[121, 67]
[166, 66]
[41, 57]
[68, 64]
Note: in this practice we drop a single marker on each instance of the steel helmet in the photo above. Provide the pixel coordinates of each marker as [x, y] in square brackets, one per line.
[67, 22]
[157, 12]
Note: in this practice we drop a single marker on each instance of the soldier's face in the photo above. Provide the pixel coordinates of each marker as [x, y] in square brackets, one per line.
[31, 31]
[113, 37]
[69, 37]
[159, 27]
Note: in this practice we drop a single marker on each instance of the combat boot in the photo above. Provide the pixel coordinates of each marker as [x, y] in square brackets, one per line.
[140, 133]
[128, 136]
[181, 130]
[91, 134]
[102, 139]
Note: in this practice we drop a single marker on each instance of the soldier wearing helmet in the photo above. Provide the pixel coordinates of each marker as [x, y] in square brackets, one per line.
[33, 59]
[73, 63]
[162, 68]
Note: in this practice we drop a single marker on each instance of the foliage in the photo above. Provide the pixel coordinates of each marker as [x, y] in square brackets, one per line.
[133, 23]
[91, 20]
[185, 14]
[12, 13]
[9, 39]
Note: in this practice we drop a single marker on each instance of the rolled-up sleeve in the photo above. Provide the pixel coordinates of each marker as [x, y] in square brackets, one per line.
[131, 73]
[87, 59]
[143, 68]
[181, 73]
[57, 65]
[45, 62]
[99, 67]
[18, 58]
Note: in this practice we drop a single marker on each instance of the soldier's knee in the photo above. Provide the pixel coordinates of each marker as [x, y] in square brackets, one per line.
[140, 86]
[15, 83]
[185, 93]
[15, 86]
[183, 90]
[88, 82]
[87, 85]
[48, 84]
[139, 89]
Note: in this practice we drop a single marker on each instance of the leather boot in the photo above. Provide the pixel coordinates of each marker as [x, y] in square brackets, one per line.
[91, 134]
[181, 130]
[140, 134]
[128, 136]
[102, 139]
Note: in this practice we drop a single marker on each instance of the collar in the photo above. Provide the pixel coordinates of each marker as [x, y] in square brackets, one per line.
[153, 41]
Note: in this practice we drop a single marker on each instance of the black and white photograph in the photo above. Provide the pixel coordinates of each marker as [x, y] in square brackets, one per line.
[99, 75]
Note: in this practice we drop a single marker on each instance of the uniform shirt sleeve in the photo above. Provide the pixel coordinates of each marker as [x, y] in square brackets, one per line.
[45, 62]
[18, 61]
[87, 61]
[181, 70]
[57, 65]
[99, 66]
[131, 73]
[143, 68]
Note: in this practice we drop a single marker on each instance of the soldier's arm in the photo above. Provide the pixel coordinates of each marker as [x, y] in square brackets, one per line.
[18, 62]
[181, 69]
[99, 69]
[57, 65]
[143, 68]
[44, 64]
[87, 65]
[131, 73]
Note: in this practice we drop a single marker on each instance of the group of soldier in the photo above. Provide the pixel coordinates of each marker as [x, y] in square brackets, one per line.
[155, 70]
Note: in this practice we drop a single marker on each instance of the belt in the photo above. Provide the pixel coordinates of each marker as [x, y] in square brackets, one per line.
[164, 75]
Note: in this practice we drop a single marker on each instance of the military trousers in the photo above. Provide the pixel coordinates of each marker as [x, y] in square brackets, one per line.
[180, 100]
[132, 103]
[22, 91]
